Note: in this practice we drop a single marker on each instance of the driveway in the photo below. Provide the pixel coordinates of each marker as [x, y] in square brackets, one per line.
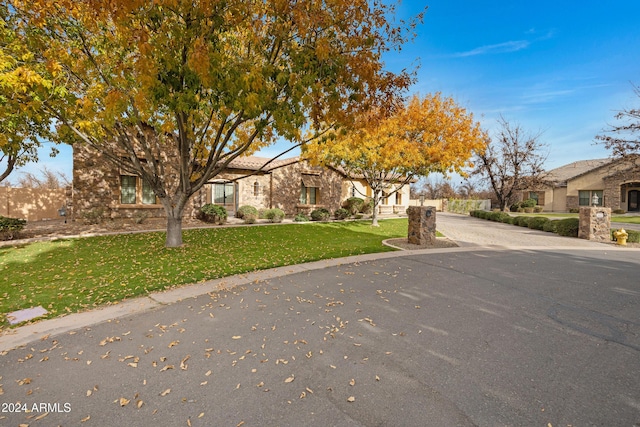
[541, 334]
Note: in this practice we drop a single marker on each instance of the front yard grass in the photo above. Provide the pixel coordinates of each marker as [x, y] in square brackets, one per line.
[77, 274]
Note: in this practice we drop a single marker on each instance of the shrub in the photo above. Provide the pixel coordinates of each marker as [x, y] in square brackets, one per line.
[538, 209]
[520, 209]
[262, 213]
[353, 205]
[250, 218]
[514, 207]
[301, 218]
[550, 226]
[498, 216]
[509, 219]
[342, 213]
[538, 223]
[574, 210]
[568, 227]
[522, 221]
[528, 210]
[367, 207]
[619, 211]
[358, 216]
[94, 216]
[243, 210]
[212, 213]
[528, 203]
[274, 215]
[320, 214]
[10, 228]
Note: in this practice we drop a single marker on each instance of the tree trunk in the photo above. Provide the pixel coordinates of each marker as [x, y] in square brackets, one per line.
[174, 225]
[374, 214]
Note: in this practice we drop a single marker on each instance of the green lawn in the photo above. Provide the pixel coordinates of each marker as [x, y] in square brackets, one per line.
[77, 274]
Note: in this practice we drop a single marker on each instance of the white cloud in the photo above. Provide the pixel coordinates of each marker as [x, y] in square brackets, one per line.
[506, 47]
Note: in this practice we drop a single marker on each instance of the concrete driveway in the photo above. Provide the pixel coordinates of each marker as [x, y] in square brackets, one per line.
[541, 334]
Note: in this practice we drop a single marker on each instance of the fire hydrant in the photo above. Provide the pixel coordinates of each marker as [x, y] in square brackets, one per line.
[621, 237]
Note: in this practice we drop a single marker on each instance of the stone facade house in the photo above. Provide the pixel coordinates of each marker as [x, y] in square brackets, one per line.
[292, 185]
[615, 183]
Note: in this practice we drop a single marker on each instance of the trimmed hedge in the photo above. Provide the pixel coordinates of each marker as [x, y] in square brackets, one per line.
[354, 205]
[568, 227]
[551, 226]
[301, 218]
[537, 223]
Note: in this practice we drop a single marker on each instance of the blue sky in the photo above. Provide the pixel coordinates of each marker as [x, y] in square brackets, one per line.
[562, 67]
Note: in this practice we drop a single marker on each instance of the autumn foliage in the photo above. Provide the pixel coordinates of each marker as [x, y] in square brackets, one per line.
[174, 90]
[388, 150]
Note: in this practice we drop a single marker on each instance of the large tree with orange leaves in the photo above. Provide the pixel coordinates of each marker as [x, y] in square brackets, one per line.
[430, 134]
[174, 90]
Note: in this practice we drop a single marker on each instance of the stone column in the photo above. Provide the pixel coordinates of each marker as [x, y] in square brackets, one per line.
[422, 225]
[595, 224]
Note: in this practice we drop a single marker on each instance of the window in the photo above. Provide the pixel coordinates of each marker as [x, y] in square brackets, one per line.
[310, 189]
[127, 189]
[585, 197]
[223, 194]
[533, 195]
[256, 189]
[308, 195]
[134, 190]
[148, 196]
[398, 198]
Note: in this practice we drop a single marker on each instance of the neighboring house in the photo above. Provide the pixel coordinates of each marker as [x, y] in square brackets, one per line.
[616, 183]
[292, 185]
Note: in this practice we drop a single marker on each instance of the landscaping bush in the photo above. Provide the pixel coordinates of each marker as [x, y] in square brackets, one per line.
[550, 226]
[514, 207]
[522, 221]
[367, 207]
[528, 203]
[262, 213]
[320, 214]
[568, 227]
[509, 219]
[619, 211]
[538, 209]
[342, 213]
[250, 218]
[537, 223]
[574, 210]
[10, 228]
[301, 218]
[353, 205]
[212, 213]
[94, 216]
[497, 216]
[528, 209]
[274, 215]
[243, 210]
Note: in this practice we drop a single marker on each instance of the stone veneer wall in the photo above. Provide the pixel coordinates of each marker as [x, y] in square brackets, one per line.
[612, 189]
[595, 224]
[422, 225]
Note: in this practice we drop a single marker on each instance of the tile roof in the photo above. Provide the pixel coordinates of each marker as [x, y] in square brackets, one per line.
[255, 163]
[567, 172]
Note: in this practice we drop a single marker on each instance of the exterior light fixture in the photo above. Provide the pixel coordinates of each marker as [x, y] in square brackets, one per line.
[595, 199]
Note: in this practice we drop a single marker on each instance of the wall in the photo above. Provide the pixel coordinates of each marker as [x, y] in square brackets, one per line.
[32, 204]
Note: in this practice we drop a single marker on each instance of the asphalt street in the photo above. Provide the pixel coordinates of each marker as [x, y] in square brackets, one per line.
[484, 335]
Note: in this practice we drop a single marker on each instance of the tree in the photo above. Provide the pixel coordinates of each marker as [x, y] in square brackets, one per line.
[48, 179]
[624, 139]
[388, 150]
[22, 120]
[513, 161]
[173, 91]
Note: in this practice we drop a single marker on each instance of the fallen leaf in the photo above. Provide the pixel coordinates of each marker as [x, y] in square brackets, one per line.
[164, 393]
[290, 379]
[166, 368]
[377, 378]
[303, 395]
[173, 343]
[124, 402]
[351, 399]
[89, 393]
[237, 337]
[352, 382]
[208, 373]
[139, 404]
[183, 364]
[39, 417]
[85, 419]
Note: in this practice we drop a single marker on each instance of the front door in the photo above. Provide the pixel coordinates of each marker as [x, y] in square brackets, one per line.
[633, 201]
[223, 195]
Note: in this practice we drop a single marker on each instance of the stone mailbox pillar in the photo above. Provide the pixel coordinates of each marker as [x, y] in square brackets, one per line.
[422, 225]
[595, 223]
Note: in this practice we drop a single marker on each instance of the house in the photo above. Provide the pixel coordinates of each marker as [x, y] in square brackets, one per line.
[292, 185]
[614, 182]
